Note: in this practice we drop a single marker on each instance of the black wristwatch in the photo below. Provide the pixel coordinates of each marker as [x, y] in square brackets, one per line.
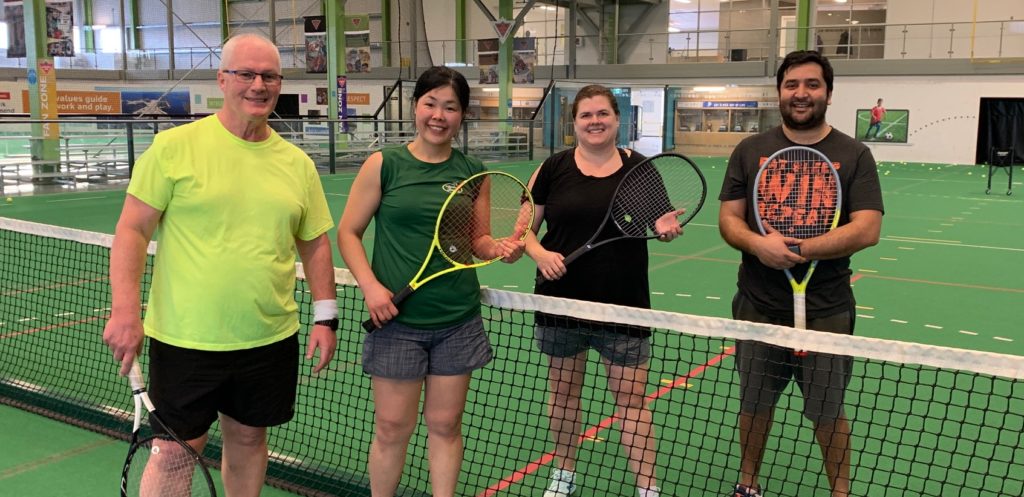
[330, 323]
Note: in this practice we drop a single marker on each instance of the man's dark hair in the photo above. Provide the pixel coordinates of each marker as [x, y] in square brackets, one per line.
[801, 57]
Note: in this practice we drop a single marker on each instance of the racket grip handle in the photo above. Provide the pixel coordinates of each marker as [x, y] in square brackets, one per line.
[395, 300]
[800, 311]
[800, 317]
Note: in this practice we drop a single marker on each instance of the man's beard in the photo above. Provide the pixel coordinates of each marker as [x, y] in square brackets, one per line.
[816, 119]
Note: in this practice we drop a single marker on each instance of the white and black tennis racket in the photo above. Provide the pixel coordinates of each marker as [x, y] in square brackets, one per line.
[160, 464]
[659, 185]
[797, 193]
[483, 209]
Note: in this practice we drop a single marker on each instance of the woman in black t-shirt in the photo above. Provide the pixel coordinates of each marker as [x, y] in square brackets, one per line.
[572, 190]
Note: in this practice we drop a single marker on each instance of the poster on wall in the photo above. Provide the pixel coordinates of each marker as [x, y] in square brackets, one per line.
[524, 59]
[14, 16]
[321, 96]
[357, 43]
[316, 44]
[882, 125]
[59, 20]
[487, 60]
[155, 102]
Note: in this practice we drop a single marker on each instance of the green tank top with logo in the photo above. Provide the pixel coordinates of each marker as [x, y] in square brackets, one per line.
[412, 193]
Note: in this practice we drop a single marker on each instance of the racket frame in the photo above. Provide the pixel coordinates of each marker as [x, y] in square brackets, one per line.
[799, 287]
[142, 401]
[590, 244]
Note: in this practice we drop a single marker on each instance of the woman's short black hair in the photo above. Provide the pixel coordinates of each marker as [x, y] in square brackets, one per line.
[439, 76]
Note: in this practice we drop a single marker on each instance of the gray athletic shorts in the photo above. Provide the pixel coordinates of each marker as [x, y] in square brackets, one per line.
[616, 348]
[400, 352]
[765, 370]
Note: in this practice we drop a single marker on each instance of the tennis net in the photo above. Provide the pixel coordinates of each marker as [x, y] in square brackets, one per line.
[924, 420]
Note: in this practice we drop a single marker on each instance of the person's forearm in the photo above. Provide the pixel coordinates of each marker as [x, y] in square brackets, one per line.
[319, 268]
[127, 262]
[353, 253]
[737, 234]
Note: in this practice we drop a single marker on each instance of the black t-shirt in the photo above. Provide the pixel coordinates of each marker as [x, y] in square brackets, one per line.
[829, 290]
[574, 207]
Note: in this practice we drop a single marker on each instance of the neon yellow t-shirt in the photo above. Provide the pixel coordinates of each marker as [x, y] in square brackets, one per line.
[224, 275]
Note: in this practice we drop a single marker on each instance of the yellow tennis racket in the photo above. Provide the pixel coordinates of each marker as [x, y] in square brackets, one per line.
[480, 212]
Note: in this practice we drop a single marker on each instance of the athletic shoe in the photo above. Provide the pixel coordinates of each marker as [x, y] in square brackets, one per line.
[745, 491]
[563, 483]
[648, 492]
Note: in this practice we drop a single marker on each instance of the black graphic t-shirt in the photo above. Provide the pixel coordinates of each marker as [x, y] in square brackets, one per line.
[829, 290]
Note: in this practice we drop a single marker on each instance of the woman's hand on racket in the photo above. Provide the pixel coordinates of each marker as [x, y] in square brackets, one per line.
[668, 227]
[550, 264]
[774, 250]
[378, 303]
[508, 249]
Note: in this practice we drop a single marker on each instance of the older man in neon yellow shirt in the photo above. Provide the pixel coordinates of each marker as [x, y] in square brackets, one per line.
[232, 203]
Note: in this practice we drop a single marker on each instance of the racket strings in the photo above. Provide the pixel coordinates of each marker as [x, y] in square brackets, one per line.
[654, 188]
[798, 194]
[161, 467]
[491, 204]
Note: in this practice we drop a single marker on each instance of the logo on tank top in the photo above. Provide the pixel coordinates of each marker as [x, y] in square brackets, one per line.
[450, 187]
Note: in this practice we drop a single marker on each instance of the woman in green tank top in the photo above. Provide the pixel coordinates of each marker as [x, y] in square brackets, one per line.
[437, 339]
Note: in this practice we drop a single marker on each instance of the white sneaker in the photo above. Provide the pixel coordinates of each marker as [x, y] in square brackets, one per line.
[648, 492]
[563, 483]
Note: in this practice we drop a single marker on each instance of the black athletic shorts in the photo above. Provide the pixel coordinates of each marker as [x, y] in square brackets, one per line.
[765, 370]
[255, 386]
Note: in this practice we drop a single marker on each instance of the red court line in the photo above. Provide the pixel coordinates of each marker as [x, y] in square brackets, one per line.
[51, 287]
[854, 278]
[591, 432]
[50, 327]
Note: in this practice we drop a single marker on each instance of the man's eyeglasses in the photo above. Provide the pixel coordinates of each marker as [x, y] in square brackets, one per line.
[248, 77]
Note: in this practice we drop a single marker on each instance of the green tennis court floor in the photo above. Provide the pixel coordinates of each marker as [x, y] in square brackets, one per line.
[947, 272]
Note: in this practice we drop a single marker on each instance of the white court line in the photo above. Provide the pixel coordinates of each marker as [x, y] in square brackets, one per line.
[898, 321]
[865, 316]
[712, 297]
[888, 258]
[72, 199]
[657, 293]
[971, 333]
[950, 243]
[683, 295]
[865, 308]
[932, 326]
[1002, 339]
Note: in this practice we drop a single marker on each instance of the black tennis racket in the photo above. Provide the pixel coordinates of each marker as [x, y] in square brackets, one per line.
[660, 185]
[160, 464]
[480, 211]
[797, 193]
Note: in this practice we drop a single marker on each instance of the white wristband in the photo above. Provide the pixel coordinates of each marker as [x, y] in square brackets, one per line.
[325, 309]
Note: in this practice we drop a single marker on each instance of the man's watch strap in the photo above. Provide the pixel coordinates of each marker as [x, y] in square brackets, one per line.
[330, 323]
